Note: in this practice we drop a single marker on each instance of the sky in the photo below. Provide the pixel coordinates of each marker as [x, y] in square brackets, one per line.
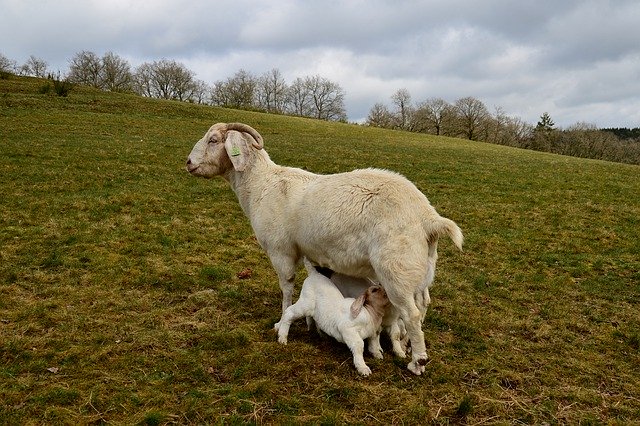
[577, 60]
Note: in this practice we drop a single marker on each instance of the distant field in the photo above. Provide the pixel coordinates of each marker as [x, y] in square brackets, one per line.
[120, 300]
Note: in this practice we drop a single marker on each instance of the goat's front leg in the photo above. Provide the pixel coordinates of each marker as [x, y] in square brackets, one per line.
[356, 345]
[285, 267]
[374, 346]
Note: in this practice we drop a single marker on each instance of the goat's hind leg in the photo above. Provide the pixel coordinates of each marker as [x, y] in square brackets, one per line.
[412, 318]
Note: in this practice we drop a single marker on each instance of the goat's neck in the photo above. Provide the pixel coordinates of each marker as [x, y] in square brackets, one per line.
[252, 180]
[376, 312]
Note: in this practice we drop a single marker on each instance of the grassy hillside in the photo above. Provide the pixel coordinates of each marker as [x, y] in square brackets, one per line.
[121, 302]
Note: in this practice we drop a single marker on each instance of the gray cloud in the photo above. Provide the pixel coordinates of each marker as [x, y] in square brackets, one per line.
[578, 60]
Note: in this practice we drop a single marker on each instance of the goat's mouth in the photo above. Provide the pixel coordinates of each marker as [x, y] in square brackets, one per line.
[192, 168]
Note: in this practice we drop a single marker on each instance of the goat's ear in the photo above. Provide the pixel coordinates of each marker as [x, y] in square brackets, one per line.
[237, 149]
[357, 305]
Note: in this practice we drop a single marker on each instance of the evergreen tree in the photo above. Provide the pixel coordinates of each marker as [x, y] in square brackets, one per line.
[545, 124]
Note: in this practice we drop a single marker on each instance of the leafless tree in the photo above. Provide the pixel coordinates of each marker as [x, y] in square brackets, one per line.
[238, 91]
[85, 68]
[115, 73]
[165, 79]
[201, 92]
[143, 80]
[380, 116]
[271, 91]
[402, 100]
[7, 65]
[472, 117]
[432, 116]
[299, 98]
[35, 67]
[327, 99]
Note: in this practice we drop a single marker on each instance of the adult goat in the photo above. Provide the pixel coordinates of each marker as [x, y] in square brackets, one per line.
[366, 223]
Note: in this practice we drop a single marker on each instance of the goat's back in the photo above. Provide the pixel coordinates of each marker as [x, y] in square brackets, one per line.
[342, 217]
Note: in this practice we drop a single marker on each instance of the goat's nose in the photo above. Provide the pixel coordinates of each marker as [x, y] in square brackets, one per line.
[188, 161]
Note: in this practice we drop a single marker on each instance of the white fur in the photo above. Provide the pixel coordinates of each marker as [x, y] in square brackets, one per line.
[366, 223]
[342, 318]
[391, 322]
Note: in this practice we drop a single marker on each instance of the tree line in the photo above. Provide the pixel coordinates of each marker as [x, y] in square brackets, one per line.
[309, 96]
[318, 97]
[469, 118]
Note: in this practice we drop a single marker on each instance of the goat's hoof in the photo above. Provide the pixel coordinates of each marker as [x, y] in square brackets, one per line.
[415, 368]
[365, 371]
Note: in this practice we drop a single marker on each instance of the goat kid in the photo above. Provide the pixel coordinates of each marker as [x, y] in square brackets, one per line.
[342, 318]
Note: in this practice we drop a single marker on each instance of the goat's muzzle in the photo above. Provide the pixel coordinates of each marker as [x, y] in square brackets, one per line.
[190, 166]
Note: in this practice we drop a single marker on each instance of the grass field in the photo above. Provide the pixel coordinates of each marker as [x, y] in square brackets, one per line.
[121, 300]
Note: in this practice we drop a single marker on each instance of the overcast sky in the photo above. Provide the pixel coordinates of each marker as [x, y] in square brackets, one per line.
[577, 60]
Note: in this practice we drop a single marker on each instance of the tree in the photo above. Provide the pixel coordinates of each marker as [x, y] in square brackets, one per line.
[238, 91]
[380, 116]
[271, 92]
[327, 99]
[545, 124]
[298, 98]
[115, 73]
[200, 92]
[432, 116]
[7, 65]
[85, 68]
[472, 117]
[165, 79]
[402, 100]
[35, 67]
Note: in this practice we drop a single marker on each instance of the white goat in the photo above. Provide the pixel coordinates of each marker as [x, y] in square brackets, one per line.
[366, 223]
[342, 318]
[391, 323]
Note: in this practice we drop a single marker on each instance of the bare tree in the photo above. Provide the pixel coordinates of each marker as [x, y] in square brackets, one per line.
[327, 99]
[165, 79]
[200, 92]
[143, 80]
[472, 117]
[35, 67]
[299, 98]
[402, 100]
[115, 73]
[238, 91]
[85, 68]
[271, 91]
[7, 65]
[380, 116]
[432, 116]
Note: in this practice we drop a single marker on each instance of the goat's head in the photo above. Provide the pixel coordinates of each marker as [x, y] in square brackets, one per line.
[374, 299]
[223, 147]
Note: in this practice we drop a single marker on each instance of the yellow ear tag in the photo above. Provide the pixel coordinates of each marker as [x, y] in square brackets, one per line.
[235, 151]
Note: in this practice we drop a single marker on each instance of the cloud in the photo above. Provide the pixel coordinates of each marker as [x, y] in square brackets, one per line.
[577, 60]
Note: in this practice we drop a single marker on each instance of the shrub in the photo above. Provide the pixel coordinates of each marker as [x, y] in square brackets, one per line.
[62, 87]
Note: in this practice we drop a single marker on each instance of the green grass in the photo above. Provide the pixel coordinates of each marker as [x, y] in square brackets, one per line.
[121, 298]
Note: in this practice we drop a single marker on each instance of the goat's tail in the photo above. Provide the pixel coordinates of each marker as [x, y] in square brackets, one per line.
[442, 226]
[311, 270]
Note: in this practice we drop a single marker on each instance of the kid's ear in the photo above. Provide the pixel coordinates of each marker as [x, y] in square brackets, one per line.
[237, 149]
[357, 305]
